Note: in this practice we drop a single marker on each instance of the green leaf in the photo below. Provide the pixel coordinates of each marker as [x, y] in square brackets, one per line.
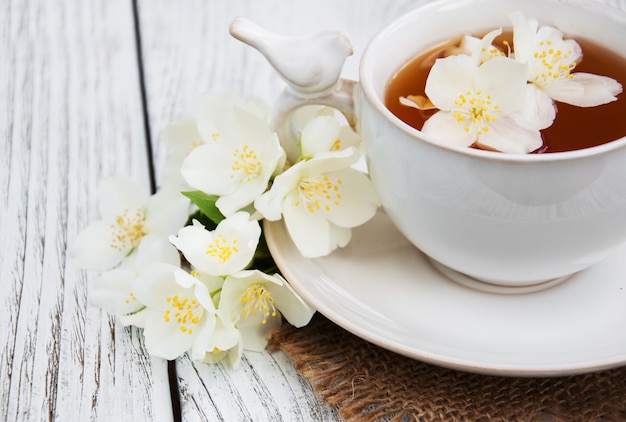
[206, 204]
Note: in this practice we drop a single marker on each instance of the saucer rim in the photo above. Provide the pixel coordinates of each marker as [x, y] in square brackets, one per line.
[279, 250]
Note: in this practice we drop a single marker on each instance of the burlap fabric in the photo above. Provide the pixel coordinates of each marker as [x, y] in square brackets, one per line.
[368, 383]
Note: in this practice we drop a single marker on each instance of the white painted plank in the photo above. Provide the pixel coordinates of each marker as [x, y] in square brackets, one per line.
[70, 112]
[188, 50]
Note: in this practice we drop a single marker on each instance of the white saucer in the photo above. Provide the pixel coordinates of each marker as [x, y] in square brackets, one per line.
[385, 291]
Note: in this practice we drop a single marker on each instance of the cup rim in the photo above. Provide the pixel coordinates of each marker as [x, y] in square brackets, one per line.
[367, 87]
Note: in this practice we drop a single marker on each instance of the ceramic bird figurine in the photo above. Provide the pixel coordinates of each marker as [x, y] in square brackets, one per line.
[309, 64]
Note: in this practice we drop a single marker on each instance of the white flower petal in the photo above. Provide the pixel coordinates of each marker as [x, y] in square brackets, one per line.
[524, 35]
[485, 50]
[467, 45]
[228, 116]
[326, 162]
[226, 250]
[254, 301]
[447, 130]
[233, 357]
[340, 236]
[570, 49]
[167, 334]
[448, 78]
[309, 231]
[235, 287]
[504, 80]
[223, 341]
[182, 136]
[538, 111]
[166, 340]
[308, 192]
[166, 211]
[319, 135]
[200, 290]
[295, 310]
[247, 190]
[112, 292]
[155, 284]
[358, 202]
[193, 242]
[246, 193]
[348, 138]
[248, 302]
[409, 103]
[270, 204]
[208, 168]
[238, 169]
[419, 102]
[93, 249]
[153, 248]
[254, 337]
[230, 357]
[506, 136]
[120, 193]
[585, 90]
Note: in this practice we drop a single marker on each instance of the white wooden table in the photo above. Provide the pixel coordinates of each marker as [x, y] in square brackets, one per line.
[78, 101]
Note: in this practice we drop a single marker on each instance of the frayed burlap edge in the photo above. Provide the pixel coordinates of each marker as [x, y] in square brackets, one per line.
[367, 383]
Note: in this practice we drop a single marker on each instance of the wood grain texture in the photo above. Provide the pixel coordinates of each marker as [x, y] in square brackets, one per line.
[70, 113]
[188, 50]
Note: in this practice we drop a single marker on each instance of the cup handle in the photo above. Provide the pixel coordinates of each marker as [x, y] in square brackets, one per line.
[311, 66]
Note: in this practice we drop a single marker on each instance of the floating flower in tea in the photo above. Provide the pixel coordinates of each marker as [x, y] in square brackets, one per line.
[474, 120]
[551, 60]
[478, 104]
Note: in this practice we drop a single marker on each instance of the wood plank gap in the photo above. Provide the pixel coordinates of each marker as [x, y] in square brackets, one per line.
[171, 365]
[144, 99]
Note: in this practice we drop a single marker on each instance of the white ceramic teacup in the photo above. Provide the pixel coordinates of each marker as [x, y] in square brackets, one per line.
[508, 220]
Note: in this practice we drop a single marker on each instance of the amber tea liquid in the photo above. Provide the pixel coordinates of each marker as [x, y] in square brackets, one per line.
[574, 127]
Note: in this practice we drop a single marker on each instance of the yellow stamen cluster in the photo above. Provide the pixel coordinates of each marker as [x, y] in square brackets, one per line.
[551, 61]
[127, 230]
[185, 312]
[257, 301]
[476, 109]
[245, 164]
[222, 248]
[490, 53]
[319, 193]
[131, 298]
